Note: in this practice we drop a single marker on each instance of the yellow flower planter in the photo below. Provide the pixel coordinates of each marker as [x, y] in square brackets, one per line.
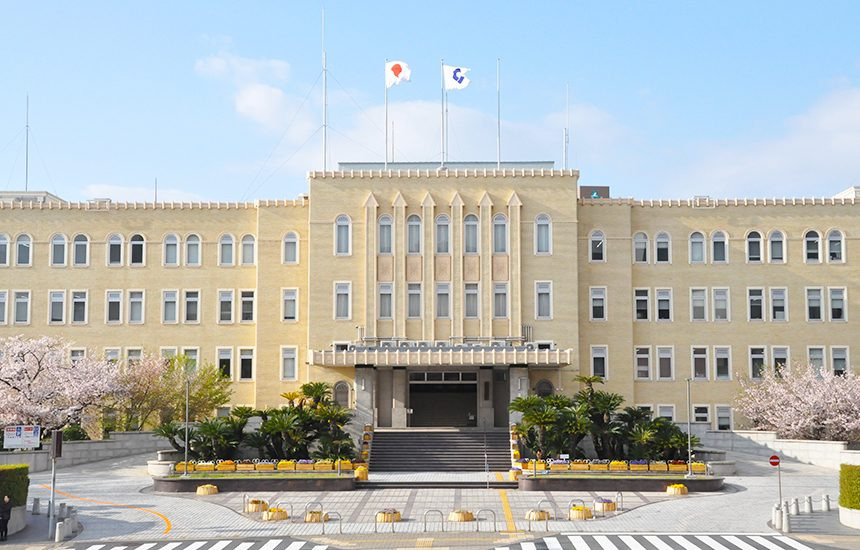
[638, 467]
[315, 516]
[598, 467]
[275, 514]
[676, 490]
[538, 515]
[387, 517]
[579, 466]
[656, 467]
[700, 467]
[256, 505]
[207, 490]
[204, 467]
[264, 467]
[579, 512]
[304, 467]
[361, 473]
[344, 464]
[367, 437]
[604, 506]
[461, 515]
[617, 466]
[225, 468]
[180, 467]
[677, 467]
[559, 467]
[323, 466]
[515, 454]
[541, 466]
[245, 467]
[287, 465]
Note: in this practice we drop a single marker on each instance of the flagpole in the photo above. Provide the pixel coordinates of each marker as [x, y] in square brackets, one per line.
[325, 97]
[385, 83]
[447, 128]
[442, 80]
[498, 113]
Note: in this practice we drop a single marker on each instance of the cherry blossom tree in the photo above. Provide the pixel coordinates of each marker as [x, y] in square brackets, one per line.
[40, 383]
[803, 402]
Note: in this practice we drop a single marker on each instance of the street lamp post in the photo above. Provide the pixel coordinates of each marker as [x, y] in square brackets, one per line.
[689, 429]
[187, 390]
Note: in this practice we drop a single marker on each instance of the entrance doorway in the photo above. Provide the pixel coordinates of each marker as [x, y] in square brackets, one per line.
[443, 399]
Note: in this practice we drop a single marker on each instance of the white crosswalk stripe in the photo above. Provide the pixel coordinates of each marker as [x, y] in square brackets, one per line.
[685, 543]
[766, 543]
[578, 542]
[631, 543]
[793, 543]
[170, 546]
[711, 542]
[528, 546]
[660, 542]
[741, 545]
[605, 543]
[220, 545]
[195, 545]
[270, 545]
[295, 545]
[95, 547]
[552, 543]
[244, 546]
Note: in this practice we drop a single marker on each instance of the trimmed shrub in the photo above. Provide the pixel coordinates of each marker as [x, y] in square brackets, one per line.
[849, 486]
[14, 481]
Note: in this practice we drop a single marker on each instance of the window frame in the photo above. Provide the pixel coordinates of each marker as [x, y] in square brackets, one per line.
[658, 376]
[715, 349]
[477, 294]
[700, 241]
[724, 407]
[243, 242]
[824, 357]
[596, 292]
[442, 220]
[218, 350]
[108, 245]
[165, 242]
[713, 250]
[666, 405]
[4, 307]
[706, 309]
[282, 357]
[290, 237]
[844, 318]
[763, 298]
[63, 306]
[592, 357]
[750, 349]
[695, 419]
[128, 294]
[507, 312]
[177, 306]
[348, 300]
[597, 236]
[221, 243]
[822, 316]
[414, 223]
[637, 245]
[543, 219]
[787, 349]
[253, 350]
[841, 259]
[748, 241]
[549, 317]
[847, 358]
[501, 219]
[336, 226]
[385, 220]
[199, 302]
[13, 300]
[6, 242]
[72, 302]
[647, 309]
[440, 286]
[636, 357]
[784, 290]
[296, 297]
[52, 244]
[30, 248]
[414, 289]
[121, 312]
[659, 239]
[784, 244]
[693, 358]
[197, 242]
[471, 220]
[132, 246]
[657, 292]
[389, 286]
[728, 292]
[241, 306]
[219, 293]
[806, 242]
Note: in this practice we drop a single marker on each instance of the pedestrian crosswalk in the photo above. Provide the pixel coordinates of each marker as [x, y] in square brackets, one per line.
[263, 544]
[662, 542]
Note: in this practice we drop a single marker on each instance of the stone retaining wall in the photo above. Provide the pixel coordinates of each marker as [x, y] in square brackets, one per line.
[827, 454]
[119, 445]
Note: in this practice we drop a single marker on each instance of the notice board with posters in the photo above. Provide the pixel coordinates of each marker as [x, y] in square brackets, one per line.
[21, 437]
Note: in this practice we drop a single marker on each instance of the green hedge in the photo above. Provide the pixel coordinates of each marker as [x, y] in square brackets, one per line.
[14, 481]
[849, 486]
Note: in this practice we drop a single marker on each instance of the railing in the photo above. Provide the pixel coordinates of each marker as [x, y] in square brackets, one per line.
[443, 357]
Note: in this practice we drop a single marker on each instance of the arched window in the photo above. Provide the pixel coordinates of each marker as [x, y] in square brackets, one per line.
[171, 250]
[543, 234]
[137, 250]
[341, 394]
[719, 250]
[248, 250]
[754, 247]
[663, 244]
[697, 248]
[413, 234]
[225, 250]
[4, 250]
[81, 250]
[291, 248]
[384, 234]
[114, 250]
[777, 247]
[640, 248]
[834, 246]
[342, 235]
[23, 252]
[812, 247]
[544, 388]
[442, 225]
[500, 234]
[58, 250]
[597, 247]
[192, 250]
[470, 234]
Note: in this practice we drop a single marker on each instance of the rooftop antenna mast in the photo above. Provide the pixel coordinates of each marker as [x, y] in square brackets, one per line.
[27, 149]
[566, 124]
[156, 189]
[325, 97]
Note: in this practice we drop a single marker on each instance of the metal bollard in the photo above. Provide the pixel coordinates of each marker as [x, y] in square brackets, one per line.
[67, 527]
[776, 517]
[825, 503]
[786, 521]
[36, 506]
[807, 505]
[76, 526]
[795, 507]
[619, 501]
[61, 511]
[59, 535]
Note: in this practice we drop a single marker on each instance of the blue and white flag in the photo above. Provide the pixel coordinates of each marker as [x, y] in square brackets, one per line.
[454, 77]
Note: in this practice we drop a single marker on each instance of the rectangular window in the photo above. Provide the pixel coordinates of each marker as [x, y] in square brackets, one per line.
[721, 304]
[225, 306]
[839, 360]
[441, 237]
[168, 353]
[470, 236]
[666, 411]
[289, 370]
[755, 304]
[758, 359]
[4, 300]
[724, 417]
[135, 306]
[643, 363]
[76, 355]
[385, 236]
[698, 304]
[500, 300]
[443, 300]
[58, 306]
[413, 301]
[192, 354]
[700, 363]
[816, 357]
[114, 306]
[133, 356]
[642, 300]
[665, 363]
[598, 303]
[79, 306]
[342, 300]
[246, 364]
[112, 355]
[22, 307]
[662, 244]
[779, 357]
[723, 363]
[778, 304]
[192, 306]
[664, 304]
[114, 251]
[599, 361]
[543, 290]
[471, 301]
[837, 304]
[247, 306]
[225, 362]
[702, 414]
[813, 304]
[385, 292]
[290, 304]
[413, 236]
[80, 252]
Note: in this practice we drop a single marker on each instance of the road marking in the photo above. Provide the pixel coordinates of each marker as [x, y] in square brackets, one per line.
[94, 546]
[793, 543]
[552, 543]
[739, 543]
[320, 547]
[170, 546]
[632, 543]
[194, 545]
[579, 543]
[167, 525]
[683, 541]
[295, 545]
[658, 543]
[711, 542]
[270, 545]
[244, 546]
[604, 542]
[220, 545]
[766, 543]
[528, 546]
[119, 548]
[146, 546]
[499, 477]
[506, 507]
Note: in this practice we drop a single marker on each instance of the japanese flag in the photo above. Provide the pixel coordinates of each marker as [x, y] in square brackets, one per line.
[396, 72]
[454, 77]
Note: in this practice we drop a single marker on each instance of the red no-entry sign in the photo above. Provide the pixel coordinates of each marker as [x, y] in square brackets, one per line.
[774, 460]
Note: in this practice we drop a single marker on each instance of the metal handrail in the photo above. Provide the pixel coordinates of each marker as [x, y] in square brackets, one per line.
[539, 509]
[376, 523]
[441, 515]
[478, 516]
[290, 506]
[332, 514]
[322, 513]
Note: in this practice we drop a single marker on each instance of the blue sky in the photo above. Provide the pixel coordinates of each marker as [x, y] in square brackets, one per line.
[668, 99]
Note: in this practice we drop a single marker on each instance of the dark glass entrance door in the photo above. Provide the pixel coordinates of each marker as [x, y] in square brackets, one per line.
[443, 405]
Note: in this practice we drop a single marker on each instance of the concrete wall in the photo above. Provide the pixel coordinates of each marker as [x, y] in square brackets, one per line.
[827, 454]
[120, 444]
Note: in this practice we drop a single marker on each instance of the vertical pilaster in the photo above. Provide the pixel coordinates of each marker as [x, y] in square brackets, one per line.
[370, 209]
[514, 269]
[399, 251]
[428, 266]
[486, 250]
[457, 287]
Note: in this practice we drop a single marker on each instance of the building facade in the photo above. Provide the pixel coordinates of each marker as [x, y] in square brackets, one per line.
[433, 297]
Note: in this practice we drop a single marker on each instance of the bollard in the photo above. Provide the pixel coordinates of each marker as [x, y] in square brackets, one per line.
[786, 521]
[36, 506]
[825, 503]
[76, 527]
[67, 527]
[795, 507]
[776, 517]
[59, 535]
[807, 505]
[61, 512]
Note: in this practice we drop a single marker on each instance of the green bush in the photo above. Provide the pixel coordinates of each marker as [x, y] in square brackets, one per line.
[14, 481]
[849, 486]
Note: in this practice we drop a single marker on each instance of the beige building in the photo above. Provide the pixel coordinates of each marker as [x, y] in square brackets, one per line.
[432, 297]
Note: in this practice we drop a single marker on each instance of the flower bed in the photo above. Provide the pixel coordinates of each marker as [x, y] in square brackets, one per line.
[245, 466]
[265, 466]
[618, 466]
[559, 465]
[207, 490]
[461, 515]
[287, 465]
[181, 467]
[323, 466]
[658, 466]
[604, 505]
[700, 467]
[388, 515]
[579, 465]
[599, 465]
[225, 466]
[256, 505]
[638, 465]
[538, 515]
[677, 466]
[204, 467]
[304, 465]
[275, 514]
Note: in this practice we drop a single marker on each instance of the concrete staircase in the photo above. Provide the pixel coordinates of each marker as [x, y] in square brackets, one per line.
[439, 451]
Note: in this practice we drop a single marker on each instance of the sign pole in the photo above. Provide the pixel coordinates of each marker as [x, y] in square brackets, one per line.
[779, 478]
[56, 452]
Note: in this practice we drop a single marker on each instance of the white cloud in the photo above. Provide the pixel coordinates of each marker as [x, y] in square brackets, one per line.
[242, 70]
[137, 194]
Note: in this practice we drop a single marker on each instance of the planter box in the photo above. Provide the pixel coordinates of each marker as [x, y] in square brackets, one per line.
[618, 467]
[700, 467]
[580, 514]
[579, 466]
[387, 517]
[658, 467]
[559, 467]
[159, 468]
[304, 467]
[275, 515]
[245, 467]
[676, 491]
[180, 467]
[849, 517]
[264, 467]
[604, 506]
[599, 467]
[677, 467]
[345, 464]
[288, 465]
[323, 466]
[203, 468]
[638, 467]
[225, 468]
